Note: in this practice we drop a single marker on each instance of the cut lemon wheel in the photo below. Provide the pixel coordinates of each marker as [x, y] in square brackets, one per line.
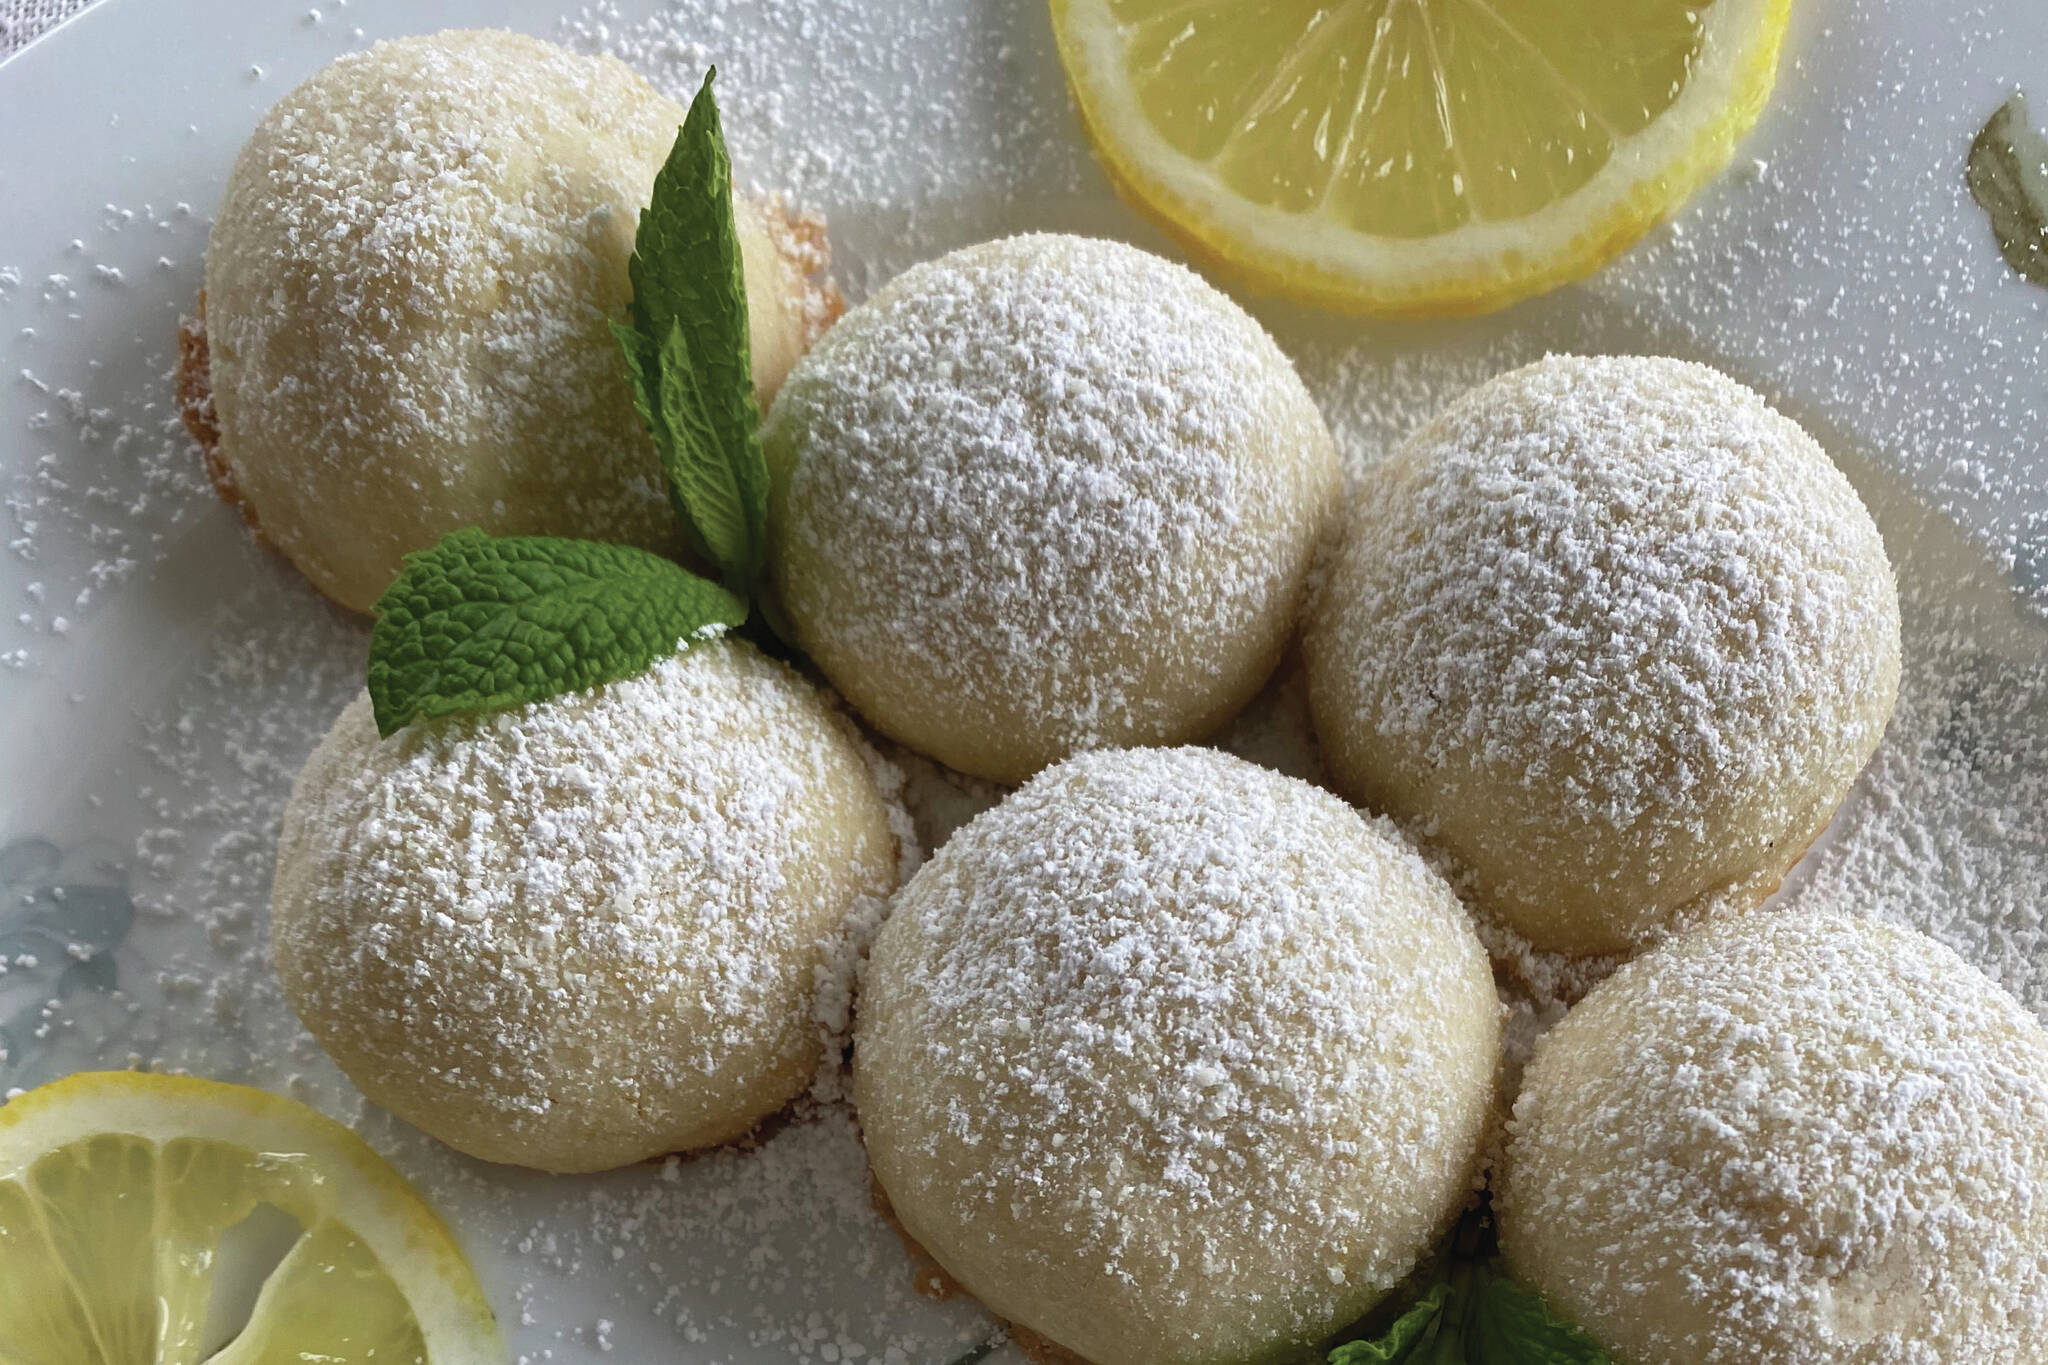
[120, 1192]
[1409, 157]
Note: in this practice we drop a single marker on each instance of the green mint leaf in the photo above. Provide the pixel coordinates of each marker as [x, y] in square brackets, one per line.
[1511, 1325]
[690, 315]
[1400, 1342]
[479, 623]
[2008, 177]
[700, 478]
[1447, 1343]
[643, 374]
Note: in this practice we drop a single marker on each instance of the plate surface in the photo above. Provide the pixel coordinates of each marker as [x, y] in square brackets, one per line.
[161, 678]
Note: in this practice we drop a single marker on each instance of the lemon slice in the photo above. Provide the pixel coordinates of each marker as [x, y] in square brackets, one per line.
[1408, 157]
[119, 1192]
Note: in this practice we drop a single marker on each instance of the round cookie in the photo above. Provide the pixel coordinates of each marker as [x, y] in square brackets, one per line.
[1789, 1140]
[586, 931]
[1041, 495]
[408, 288]
[1175, 1060]
[1616, 635]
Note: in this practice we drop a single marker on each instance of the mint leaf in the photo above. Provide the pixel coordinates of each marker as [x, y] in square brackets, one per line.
[480, 623]
[1476, 1317]
[689, 360]
[2008, 177]
[706, 491]
[1511, 1325]
[643, 373]
[1446, 1344]
[1399, 1342]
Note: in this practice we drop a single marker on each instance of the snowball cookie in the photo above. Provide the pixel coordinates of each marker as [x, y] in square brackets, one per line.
[1170, 1058]
[1041, 495]
[1789, 1140]
[407, 290]
[1613, 633]
[586, 931]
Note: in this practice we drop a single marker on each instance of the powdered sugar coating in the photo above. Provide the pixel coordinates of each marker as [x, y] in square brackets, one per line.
[408, 292]
[586, 931]
[1171, 1058]
[1619, 634]
[1045, 494]
[1789, 1139]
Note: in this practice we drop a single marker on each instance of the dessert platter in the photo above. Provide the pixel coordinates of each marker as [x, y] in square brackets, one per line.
[1128, 682]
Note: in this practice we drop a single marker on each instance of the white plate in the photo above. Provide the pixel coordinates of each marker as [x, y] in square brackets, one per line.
[161, 678]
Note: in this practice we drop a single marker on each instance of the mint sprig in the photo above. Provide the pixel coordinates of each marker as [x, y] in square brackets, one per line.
[687, 356]
[481, 622]
[1475, 1316]
[2007, 173]
[1512, 1325]
[1473, 1313]
[1401, 1339]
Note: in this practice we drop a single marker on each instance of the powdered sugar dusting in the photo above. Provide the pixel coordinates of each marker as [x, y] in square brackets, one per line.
[1048, 485]
[1792, 1138]
[409, 288]
[1620, 629]
[1838, 268]
[1554, 493]
[588, 930]
[1183, 1040]
[1947, 830]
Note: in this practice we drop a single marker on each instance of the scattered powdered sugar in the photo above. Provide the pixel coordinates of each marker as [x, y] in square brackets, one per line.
[101, 483]
[1789, 1138]
[1275, 730]
[881, 117]
[1171, 1046]
[1949, 831]
[1844, 278]
[938, 799]
[212, 785]
[773, 1250]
